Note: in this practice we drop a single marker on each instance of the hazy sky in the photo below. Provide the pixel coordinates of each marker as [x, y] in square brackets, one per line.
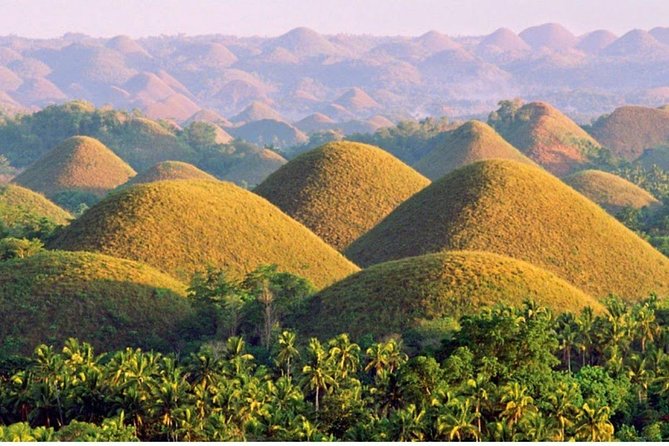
[48, 18]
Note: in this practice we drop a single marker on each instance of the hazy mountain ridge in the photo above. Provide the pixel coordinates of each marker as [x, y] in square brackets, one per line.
[342, 76]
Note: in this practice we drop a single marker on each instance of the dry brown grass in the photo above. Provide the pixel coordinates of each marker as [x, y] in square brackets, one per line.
[182, 226]
[20, 206]
[610, 191]
[79, 163]
[523, 212]
[342, 189]
[170, 170]
[395, 296]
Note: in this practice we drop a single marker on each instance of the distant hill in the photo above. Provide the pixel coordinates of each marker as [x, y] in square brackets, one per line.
[657, 157]
[109, 302]
[503, 44]
[472, 141]
[596, 41]
[610, 191]
[170, 170]
[272, 132]
[21, 208]
[544, 134]
[550, 35]
[315, 123]
[255, 167]
[342, 189]
[406, 293]
[517, 210]
[358, 101]
[79, 163]
[182, 226]
[638, 43]
[629, 130]
[255, 112]
[303, 42]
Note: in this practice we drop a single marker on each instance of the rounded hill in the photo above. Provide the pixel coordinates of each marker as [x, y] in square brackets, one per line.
[183, 226]
[79, 163]
[21, 208]
[392, 297]
[170, 170]
[629, 130]
[255, 167]
[112, 303]
[472, 141]
[520, 211]
[342, 189]
[545, 134]
[610, 191]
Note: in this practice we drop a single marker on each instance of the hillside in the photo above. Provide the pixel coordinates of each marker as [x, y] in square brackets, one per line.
[550, 35]
[182, 226]
[629, 130]
[79, 163]
[405, 293]
[342, 189]
[255, 112]
[269, 132]
[657, 157]
[255, 167]
[520, 211]
[544, 134]
[610, 191]
[109, 302]
[170, 170]
[472, 141]
[21, 208]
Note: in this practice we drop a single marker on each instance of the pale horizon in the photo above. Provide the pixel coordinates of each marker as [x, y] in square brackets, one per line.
[144, 18]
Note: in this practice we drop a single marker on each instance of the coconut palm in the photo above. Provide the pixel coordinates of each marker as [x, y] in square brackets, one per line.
[287, 351]
[594, 424]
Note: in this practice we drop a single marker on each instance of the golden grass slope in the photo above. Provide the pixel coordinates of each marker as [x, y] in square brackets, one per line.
[472, 141]
[255, 167]
[109, 302]
[521, 211]
[392, 297]
[629, 130]
[549, 137]
[182, 226]
[79, 163]
[19, 206]
[342, 189]
[610, 191]
[170, 170]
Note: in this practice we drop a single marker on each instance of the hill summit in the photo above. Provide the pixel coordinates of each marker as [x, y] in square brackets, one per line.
[182, 226]
[79, 163]
[171, 170]
[472, 141]
[522, 212]
[404, 293]
[342, 189]
[610, 191]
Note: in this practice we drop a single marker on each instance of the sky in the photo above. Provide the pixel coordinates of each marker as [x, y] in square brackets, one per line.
[140, 18]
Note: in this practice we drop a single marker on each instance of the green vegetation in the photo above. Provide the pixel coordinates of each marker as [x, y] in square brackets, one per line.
[418, 292]
[79, 164]
[472, 141]
[610, 191]
[520, 211]
[342, 189]
[254, 167]
[630, 130]
[544, 134]
[503, 374]
[24, 213]
[170, 170]
[183, 226]
[49, 296]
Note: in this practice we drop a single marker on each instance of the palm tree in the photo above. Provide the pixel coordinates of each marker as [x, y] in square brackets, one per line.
[456, 424]
[384, 357]
[344, 354]
[235, 353]
[567, 336]
[594, 424]
[317, 373]
[646, 326]
[639, 375]
[287, 351]
[479, 394]
[563, 408]
[517, 402]
[584, 340]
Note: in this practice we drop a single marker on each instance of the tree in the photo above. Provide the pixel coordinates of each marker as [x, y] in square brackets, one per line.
[516, 403]
[317, 373]
[457, 423]
[594, 424]
[287, 351]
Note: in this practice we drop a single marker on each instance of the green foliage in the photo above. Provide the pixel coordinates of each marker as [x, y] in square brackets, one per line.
[14, 248]
[26, 214]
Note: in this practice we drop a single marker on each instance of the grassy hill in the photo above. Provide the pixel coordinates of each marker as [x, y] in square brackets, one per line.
[395, 296]
[472, 141]
[629, 130]
[342, 189]
[544, 134]
[610, 191]
[79, 163]
[182, 226]
[170, 170]
[22, 209]
[255, 167]
[109, 302]
[523, 212]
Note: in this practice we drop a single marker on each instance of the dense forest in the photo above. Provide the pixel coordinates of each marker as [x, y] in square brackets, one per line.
[499, 374]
